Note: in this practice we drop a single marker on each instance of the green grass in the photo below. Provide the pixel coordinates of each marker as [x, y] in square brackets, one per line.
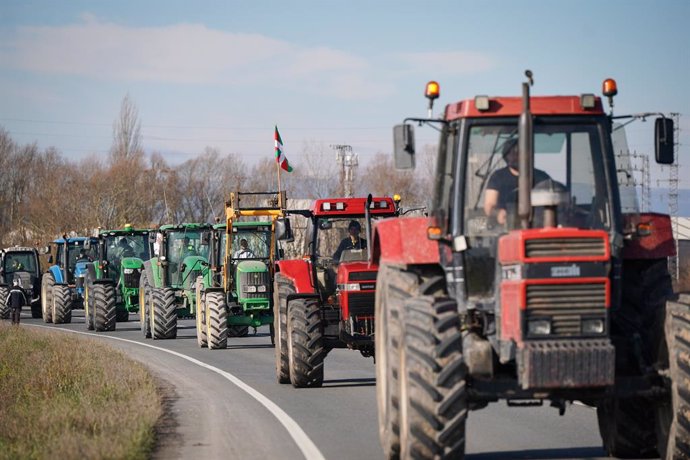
[67, 397]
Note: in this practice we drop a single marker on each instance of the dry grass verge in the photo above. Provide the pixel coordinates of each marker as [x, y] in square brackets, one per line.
[68, 397]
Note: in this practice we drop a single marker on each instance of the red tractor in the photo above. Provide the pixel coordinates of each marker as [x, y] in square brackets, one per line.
[558, 292]
[325, 300]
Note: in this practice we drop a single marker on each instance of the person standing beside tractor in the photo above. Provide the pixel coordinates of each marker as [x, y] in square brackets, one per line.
[16, 300]
[353, 241]
[503, 183]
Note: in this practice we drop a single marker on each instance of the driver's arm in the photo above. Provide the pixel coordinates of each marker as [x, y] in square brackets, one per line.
[490, 200]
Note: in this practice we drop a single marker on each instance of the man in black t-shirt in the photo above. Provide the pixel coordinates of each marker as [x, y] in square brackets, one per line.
[503, 182]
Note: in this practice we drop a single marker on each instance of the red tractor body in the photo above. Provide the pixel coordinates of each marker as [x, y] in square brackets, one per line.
[326, 299]
[551, 289]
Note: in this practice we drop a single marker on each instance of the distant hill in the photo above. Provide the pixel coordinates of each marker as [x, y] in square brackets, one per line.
[660, 201]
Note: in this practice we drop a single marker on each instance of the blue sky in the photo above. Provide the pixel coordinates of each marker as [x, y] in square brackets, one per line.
[223, 73]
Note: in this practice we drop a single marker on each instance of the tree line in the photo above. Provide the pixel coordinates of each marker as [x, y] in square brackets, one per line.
[44, 195]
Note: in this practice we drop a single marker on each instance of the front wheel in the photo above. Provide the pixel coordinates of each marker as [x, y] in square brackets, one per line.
[102, 302]
[433, 395]
[144, 305]
[163, 314]
[216, 320]
[201, 338]
[47, 287]
[4, 308]
[282, 290]
[62, 304]
[305, 345]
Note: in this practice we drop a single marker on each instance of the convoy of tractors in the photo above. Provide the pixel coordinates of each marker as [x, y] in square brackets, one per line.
[561, 294]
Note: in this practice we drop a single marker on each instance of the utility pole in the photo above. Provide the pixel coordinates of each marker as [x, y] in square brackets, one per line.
[347, 162]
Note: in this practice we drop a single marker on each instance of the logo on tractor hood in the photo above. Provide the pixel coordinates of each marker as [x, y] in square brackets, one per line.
[563, 271]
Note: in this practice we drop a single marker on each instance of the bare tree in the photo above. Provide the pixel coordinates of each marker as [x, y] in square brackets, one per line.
[126, 133]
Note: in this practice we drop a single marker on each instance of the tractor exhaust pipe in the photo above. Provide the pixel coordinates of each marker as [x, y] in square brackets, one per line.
[526, 155]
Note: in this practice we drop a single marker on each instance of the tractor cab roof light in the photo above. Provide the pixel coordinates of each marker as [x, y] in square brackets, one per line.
[587, 101]
[482, 103]
[432, 90]
[326, 206]
[610, 89]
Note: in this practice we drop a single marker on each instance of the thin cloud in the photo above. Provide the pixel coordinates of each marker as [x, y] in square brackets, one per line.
[450, 63]
[181, 53]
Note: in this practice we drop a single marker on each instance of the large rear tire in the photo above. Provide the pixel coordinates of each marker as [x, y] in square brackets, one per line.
[103, 303]
[4, 308]
[393, 287]
[282, 289]
[216, 320]
[433, 396]
[627, 426]
[47, 286]
[145, 305]
[163, 314]
[62, 304]
[305, 343]
[673, 415]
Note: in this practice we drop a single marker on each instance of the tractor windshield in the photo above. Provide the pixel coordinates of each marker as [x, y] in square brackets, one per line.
[77, 253]
[340, 239]
[251, 243]
[182, 244]
[568, 166]
[118, 247]
[18, 262]
[567, 160]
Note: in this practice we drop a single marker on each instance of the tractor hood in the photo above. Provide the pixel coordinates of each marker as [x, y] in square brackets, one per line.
[251, 266]
[357, 271]
[132, 262]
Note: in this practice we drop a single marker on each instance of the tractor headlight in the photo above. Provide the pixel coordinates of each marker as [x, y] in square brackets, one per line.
[593, 326]
[129, 271]
[349, 287]
[261, 288]
[539, 327]
[250, 289]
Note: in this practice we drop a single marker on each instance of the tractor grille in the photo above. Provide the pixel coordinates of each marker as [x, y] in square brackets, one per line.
[362, 276]
[566, 305]
[255, 279]
[561, 247]
[361, 304]
[132, 279]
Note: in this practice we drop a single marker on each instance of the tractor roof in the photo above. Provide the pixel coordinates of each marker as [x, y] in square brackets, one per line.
[124, 231]
[186, 226]
[76, 239]
[18, 249]
[353, 207]
[512, 107]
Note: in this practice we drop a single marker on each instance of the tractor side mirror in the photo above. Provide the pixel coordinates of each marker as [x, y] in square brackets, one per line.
[403, 146]
[87, 244]
[663, 140]
[205, 238]
[50, 259]
[284, 230]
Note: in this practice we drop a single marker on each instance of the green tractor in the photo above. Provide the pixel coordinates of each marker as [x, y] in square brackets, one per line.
[167, 284]
[236, 292]
[112, 280]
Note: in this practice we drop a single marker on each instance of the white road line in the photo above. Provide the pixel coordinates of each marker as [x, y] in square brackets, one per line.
[304, 443]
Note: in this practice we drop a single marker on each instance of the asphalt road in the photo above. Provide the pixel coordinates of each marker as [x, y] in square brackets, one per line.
[227, 403]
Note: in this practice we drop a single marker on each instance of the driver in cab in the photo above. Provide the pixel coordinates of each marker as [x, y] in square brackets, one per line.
[353, 241]
[504, 182]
